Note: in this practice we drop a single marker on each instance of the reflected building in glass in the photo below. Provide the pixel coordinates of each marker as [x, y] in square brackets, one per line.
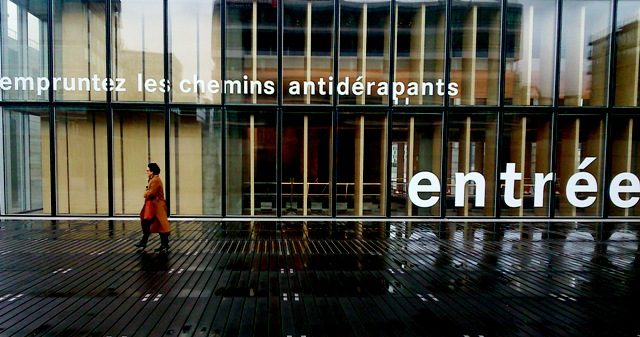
[256, 108]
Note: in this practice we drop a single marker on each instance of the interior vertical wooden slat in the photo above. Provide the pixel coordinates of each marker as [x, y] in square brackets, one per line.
[359, 167]
[252, 164]
[469, 59]
[594, 147]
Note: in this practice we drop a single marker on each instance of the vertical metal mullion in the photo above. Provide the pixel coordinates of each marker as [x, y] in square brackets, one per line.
[554, 163]
[279, 18]
[610, 103]
[167, 115]
[223, 110]
[334, 111]
[501, 90]
[444, 150]
[612, 56]
[606, 164]
[110, 177]
[556, 84]
[2, 138]
[389, 126]
[498, 164]
[555, 115]
[2, 184]
[52, 112]
[279, 161]
[24, 126]
[503, 52]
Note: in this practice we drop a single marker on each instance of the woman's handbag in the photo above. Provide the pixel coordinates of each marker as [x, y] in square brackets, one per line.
[149, 211]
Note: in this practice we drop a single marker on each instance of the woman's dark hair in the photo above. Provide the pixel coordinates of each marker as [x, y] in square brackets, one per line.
[154, 168]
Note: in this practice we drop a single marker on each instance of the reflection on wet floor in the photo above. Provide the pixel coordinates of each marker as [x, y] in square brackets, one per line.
[253, 278]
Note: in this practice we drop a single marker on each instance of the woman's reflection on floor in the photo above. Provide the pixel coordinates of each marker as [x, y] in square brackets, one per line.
[445, 233]
[490, 272]
[152, 262]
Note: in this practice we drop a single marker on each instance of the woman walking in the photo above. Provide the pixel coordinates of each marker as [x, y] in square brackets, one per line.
[153, 215]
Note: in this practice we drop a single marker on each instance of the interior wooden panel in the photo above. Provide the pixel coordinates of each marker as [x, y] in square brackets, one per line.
[518, 149]
[101, 166]
[493, 72]
[139, 139]
[383, 169]
[568, 162]
[487, 152]
[543, 164]
[74, 38]
[97, 49]
[80, 168]
[359, 142]
[189, 196]
[62, 167]
[469, 45]
[594, 147]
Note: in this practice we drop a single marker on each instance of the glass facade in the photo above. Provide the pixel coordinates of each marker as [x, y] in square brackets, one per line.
[321, 108]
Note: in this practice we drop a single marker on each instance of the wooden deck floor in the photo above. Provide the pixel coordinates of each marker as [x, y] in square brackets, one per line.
[81, 278]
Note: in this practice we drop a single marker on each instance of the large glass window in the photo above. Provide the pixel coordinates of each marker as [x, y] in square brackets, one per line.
[580, 149]
[252, 52]
[24, 49]
[416, 147]
[475, 51]
[139, 49]
[526, 143]
[79, 49]
[364, 50]
[628, 53]
[307, 51]
[530, 53]
[25, 147]
[138, 139]
[251, 162]
[374, 158]
[196, 50]
[584, 52]
[361, 164]
[196, 153]
[625, 157]
[306, 163]
[81, 161]
[471, 162]
[421, 30]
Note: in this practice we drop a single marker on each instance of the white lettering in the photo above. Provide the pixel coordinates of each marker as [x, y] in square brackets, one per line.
[5, 83]
[415, 188]
[294, 88]
[120, 84]
[358, 87]
[461, 181]
[183, 86]
[43, 85]
[269, 87]
[538, 193]
[510, 177]
[617, 188]
[573, 188]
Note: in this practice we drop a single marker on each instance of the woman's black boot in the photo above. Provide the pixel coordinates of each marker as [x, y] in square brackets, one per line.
[146, 224]
[164, 243]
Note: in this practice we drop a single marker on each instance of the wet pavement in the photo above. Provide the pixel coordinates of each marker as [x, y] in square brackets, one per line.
[85, 278]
